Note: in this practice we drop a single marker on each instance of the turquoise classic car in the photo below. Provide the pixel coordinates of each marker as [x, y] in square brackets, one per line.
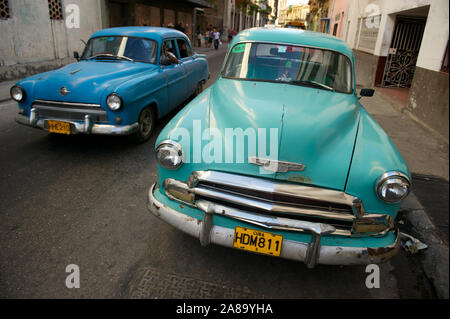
[278, 157]
[125, 80]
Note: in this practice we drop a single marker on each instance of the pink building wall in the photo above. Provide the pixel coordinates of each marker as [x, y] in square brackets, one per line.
[337, 9]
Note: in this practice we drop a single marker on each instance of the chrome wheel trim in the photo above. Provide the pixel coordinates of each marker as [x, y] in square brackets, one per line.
[146, 122]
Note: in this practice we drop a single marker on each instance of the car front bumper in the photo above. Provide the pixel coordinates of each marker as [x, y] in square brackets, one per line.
[86, 127]
[310, 253]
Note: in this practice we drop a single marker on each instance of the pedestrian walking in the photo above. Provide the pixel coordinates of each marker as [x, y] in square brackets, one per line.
[211, 38]
[199, 39]
[206, 37]
[216, 36]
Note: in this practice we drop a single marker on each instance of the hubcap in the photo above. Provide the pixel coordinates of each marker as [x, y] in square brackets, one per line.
[146, 122]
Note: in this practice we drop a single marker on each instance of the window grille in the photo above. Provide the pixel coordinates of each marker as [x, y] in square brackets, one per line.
[4, 9]
[55, 9]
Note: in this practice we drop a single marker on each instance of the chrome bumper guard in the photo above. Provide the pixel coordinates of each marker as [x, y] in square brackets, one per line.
[87, 127]
[310, 253]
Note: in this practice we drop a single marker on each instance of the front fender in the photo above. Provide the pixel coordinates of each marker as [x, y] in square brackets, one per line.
[374, 154]
[141, 91]
[186, 128]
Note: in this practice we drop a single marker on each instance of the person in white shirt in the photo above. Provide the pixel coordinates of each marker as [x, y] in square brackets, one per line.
[216, 39]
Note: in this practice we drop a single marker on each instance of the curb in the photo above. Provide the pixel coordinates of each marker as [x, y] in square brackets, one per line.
[5, 100]
[434, 259]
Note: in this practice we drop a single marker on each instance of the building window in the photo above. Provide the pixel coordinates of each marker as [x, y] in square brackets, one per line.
[444, 67]
[4, 9]
[335, 29]
[55, 9]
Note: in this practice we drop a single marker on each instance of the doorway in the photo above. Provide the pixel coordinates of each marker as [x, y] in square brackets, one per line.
[403, 52]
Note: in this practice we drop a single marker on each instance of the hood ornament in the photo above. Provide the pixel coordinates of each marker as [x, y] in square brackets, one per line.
[75, 71]
[276, 166]
[64, 91]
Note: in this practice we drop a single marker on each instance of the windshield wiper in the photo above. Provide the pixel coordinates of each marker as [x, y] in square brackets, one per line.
[108, 55]
[313, 84]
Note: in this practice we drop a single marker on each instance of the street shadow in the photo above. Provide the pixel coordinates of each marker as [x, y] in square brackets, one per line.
[106, 143]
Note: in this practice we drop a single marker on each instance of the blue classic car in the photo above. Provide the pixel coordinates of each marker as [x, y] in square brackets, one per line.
[278, 157]
[125, 80]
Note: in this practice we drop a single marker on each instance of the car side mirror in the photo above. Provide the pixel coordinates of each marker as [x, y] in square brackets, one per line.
[367, 92]
[76, 55]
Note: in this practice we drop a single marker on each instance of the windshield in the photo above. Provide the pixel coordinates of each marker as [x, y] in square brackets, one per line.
[295, 65]
[124, 48]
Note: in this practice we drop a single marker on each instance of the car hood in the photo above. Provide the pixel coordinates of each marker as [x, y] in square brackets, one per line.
[86, 81]
[314, 127]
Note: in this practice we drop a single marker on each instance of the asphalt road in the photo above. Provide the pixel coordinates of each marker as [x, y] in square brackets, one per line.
[82, 200]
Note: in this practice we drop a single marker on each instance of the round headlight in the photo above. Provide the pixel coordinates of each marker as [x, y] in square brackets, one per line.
[17, 93]
[114, 102]
[169, 155]
[393, 187]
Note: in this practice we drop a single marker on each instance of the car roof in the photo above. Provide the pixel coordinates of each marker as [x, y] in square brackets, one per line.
[154, 33]
[294, 36]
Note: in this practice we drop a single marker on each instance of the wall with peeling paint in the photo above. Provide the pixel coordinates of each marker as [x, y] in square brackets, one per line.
[30, 37]
[429, 100]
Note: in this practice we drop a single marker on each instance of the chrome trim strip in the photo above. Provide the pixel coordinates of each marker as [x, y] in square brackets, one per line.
[67, 103]
[293, 250]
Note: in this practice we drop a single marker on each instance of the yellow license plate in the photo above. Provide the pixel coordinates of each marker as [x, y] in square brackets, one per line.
[257, 241]
[59, 127]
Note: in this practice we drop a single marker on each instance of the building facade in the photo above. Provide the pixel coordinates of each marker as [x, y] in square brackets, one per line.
[317, 18]
[403, 44]
[292, 12]
[337, 15]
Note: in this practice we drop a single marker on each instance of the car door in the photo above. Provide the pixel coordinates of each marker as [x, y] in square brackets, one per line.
[175, 78]
[188, 65]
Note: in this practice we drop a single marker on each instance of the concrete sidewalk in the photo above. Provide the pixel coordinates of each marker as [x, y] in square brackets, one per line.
[422, 151]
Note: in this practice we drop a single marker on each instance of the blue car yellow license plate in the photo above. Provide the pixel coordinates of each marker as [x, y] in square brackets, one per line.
[257, 241]
[59, 127]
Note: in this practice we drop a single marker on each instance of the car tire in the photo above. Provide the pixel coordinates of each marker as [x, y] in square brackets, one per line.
[146, 125]
[199, 88]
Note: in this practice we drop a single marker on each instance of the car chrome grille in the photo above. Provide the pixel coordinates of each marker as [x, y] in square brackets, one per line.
[276, 203]
[70, 111]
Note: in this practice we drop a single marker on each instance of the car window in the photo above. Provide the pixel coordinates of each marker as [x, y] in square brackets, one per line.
[290, 64]
[136, 49]
[184, 48]
[170, 44]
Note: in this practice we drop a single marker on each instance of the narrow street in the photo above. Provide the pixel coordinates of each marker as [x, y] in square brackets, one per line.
[82, 200]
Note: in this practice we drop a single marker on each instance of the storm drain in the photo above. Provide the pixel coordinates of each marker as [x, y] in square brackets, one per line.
[153, 284]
